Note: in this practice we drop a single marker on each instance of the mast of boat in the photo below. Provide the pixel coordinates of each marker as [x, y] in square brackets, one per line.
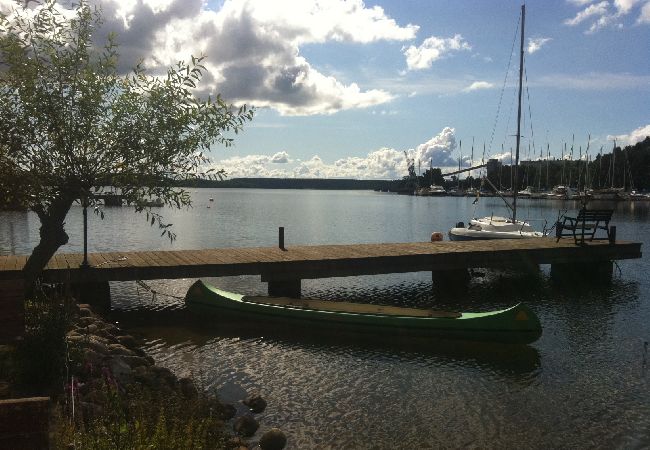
[613, 163]
[460, 156]
[521, 76]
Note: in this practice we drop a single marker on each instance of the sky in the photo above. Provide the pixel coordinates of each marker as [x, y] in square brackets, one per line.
[342, 89]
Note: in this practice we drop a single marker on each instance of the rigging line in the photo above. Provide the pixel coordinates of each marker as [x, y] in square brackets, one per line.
[503, 87]
[530, 115]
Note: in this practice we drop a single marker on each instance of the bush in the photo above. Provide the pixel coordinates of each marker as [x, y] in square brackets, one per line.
[42, 354]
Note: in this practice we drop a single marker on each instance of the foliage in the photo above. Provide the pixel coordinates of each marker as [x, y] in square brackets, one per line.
[43, 352]
[69, 122]
[142, 420]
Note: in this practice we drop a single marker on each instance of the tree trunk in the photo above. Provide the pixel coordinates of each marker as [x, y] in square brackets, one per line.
[52, 234]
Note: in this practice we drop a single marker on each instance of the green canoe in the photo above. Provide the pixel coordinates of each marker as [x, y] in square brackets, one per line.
[516, 324]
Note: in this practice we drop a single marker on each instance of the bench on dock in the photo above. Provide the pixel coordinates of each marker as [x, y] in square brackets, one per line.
[586, 223]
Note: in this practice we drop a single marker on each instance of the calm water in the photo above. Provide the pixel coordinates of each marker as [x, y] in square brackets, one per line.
[585, 383]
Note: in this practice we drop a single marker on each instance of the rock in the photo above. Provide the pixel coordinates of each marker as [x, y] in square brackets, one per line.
[92, 328]
[112, 329]
[75, 338]
[5, 390]
[187, 387]
[255, 402]
[119, 349]
[246, 425]
[120, 370]
[85, 312]
[127, 341]
[228, 412]
[93, 358]
[86, 321]
[135, 361]
[274, 439]
[94, 343]
[237, 443]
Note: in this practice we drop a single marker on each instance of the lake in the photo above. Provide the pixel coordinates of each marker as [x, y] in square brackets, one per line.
[584, 383]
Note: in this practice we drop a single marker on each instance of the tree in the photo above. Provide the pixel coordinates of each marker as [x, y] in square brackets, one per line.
[70, 123]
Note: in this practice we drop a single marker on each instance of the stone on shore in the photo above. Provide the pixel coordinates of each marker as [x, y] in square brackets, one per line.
[246, 425]
[255, 402]
[273, 439]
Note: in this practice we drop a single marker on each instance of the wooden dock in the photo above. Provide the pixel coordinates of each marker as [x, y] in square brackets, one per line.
[284, 268]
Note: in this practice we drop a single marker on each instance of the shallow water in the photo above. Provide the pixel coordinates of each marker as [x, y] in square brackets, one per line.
[584, 383]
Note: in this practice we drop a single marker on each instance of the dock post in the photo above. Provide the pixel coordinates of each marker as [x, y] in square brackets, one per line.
[281, 238]
[450, 280]
[12, 310]
[599, 272]
[612, 234]
[284, 288]
[25, 423]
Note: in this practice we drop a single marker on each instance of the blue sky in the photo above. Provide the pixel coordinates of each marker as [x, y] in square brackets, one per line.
[343, 88]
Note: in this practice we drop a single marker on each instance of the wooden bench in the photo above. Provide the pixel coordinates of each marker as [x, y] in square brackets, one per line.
[586, 223]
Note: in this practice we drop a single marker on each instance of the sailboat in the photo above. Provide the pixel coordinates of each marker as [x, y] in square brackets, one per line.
[496, 227]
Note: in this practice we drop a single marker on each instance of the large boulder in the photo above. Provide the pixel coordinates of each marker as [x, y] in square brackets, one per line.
[246, 425]
[273, 439]
[255, 402]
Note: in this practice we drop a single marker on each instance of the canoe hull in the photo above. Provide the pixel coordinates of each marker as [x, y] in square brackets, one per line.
[517, 324]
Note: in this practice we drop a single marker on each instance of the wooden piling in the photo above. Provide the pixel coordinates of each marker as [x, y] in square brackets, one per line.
[25, 423]
[12, 310]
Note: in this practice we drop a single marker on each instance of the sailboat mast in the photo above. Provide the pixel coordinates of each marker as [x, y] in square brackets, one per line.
[521, 76]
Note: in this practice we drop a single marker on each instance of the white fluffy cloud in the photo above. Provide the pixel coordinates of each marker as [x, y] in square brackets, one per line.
[644, 16]
[478, 85]
[382, 164]
[598, 9]
[253, 47]
[606, 14]
[633, 137]
[432, 49]
[534, 44]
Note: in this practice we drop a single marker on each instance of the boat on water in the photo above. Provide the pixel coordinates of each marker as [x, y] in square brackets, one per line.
[497, 227]
[517, 324]
[493, 227]
[432, 191]
[560, 192]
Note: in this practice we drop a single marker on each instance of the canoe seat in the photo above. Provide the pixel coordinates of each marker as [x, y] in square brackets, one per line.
[349, 307]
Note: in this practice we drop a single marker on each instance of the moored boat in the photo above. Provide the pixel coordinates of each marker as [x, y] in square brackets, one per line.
[493, 227]
[517, 324]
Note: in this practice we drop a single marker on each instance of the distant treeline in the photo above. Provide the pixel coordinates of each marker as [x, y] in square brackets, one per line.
[290, 183]
[628, 168]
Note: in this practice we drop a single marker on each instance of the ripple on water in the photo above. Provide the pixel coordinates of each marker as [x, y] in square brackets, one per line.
[359, 392]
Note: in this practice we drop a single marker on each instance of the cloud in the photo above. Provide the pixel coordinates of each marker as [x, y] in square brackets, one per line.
[534, 44]
[478, 85]
[580, 2]
[432, 49]
[633, 137]
[644, 16]
[381, 164]
[598, 9]
[280, 158]
[253, 47]
[596, 81]
[608, 14]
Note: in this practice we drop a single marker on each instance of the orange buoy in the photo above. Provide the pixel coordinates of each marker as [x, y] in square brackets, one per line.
[436, 236]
